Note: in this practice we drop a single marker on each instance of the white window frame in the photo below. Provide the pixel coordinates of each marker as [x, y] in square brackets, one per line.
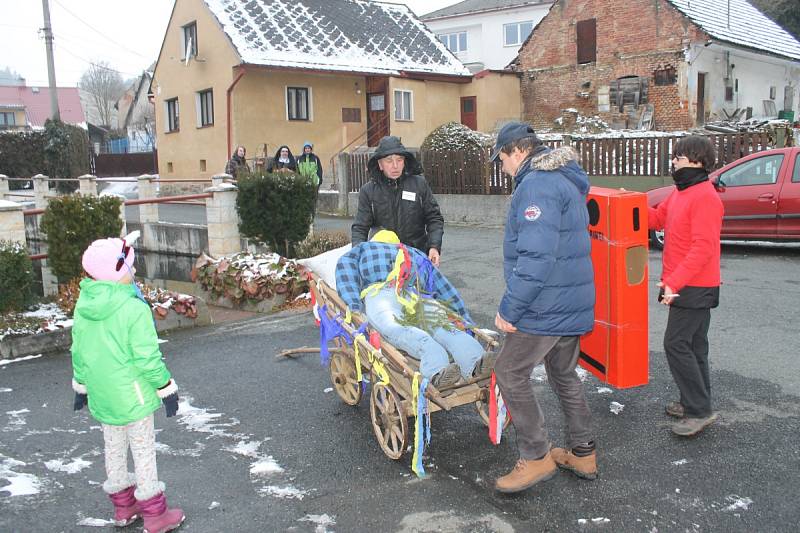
[5, 123]
[446, 38]
[184, 29]
[309, 103]
[399, 112]
[519, 24]
[198, 100]
[168, 122]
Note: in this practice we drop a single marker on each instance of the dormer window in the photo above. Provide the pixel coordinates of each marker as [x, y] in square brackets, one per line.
[190, 40]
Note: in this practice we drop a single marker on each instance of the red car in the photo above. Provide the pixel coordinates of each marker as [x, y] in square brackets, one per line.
[761, 195]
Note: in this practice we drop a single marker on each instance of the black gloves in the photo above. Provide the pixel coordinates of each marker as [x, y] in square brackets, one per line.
[171, 404]
[80, 401]
[169, 397]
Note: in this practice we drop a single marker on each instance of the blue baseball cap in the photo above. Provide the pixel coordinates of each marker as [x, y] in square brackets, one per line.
[513, 131]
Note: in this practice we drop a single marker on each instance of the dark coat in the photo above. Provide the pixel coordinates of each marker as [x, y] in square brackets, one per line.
[277, 165]
[236, 165]
[547, 250]
[404, 205]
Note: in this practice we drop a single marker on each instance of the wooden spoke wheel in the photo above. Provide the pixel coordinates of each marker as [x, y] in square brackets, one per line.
[343, 376]
[483, 410]
[388, 420]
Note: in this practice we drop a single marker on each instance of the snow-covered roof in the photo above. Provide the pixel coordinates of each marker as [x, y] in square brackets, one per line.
[479, 6]
[744, 25]
[346, 35]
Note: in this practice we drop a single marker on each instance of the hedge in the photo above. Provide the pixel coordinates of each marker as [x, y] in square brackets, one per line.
[275, 209]
[16, 277]
[72, 223]
[58, 151]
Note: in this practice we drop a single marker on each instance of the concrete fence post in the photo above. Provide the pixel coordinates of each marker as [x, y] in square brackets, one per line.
[219, 179]
[41, 190]
[12, 222]
[223, 221]
[87, 185]
[4, 188]
[343, 179]
[148, 213]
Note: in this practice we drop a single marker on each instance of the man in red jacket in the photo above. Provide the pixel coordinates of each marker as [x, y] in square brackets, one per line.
[691, 218]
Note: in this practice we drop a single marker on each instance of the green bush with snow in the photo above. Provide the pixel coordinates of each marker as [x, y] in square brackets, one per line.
[16, 277]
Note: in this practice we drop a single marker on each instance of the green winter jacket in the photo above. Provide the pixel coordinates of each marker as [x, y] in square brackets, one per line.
[115, 353]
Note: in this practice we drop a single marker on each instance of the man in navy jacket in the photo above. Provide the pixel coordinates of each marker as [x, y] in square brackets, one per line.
[548, 303]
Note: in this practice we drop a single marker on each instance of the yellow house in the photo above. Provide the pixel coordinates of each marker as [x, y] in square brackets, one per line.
[339, 74]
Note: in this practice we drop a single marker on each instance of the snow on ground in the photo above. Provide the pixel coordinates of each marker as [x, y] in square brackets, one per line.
[248, 449]
[213, 505]
[18, 359]
[288, 492]
[5, 389]
[604, 390]
[680, 462]
[95, 522]
[265, 466]
[322, 522]
[75, 465]
[616, 407]
[16, 420]
[20, 483]
[738, 503]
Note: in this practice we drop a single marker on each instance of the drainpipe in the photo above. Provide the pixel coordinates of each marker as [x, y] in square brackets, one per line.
[239, 76]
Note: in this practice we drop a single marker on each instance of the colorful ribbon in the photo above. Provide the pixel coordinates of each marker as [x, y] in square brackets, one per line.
[422, 423]
[497, 412]
[329, 329]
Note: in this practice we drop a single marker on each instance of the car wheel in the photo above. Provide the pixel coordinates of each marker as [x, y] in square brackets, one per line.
[657, 239]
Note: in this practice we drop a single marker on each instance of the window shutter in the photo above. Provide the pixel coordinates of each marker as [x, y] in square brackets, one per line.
[587, 41]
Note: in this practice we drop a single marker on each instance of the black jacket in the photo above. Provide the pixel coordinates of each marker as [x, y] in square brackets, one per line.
[405, 205]
[275, 164]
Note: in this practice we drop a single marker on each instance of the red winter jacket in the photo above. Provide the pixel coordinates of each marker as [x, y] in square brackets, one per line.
[692, 220]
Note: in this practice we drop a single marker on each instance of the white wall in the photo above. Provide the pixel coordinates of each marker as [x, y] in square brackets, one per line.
[756, 74]
[485, 33]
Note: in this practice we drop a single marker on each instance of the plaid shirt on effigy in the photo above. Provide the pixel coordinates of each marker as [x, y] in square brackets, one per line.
[371, 262]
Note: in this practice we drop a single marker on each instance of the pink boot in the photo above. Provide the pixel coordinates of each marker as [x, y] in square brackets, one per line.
[126, 509]
[157, 518]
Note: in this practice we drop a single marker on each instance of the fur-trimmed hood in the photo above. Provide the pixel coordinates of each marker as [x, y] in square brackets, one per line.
[564, 160]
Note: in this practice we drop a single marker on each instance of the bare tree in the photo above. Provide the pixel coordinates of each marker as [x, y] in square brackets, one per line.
[104, 86]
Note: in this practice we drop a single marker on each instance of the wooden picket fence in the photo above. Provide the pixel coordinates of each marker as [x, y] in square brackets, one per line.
[457, 172]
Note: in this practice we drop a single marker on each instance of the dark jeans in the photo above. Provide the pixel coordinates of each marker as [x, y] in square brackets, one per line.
[686, 346]
[519, 354]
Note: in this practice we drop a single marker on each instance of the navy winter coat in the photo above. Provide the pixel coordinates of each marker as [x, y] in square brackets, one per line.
[546, 249]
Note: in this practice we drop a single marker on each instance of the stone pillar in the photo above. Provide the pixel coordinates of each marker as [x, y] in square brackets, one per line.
[88, 185]
[148, 213]
[343, 179]
[219, 179]
[3, 186]
[223, 221]
[41, 190]
[12, 222]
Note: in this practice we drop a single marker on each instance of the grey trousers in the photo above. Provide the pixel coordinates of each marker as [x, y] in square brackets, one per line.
[519, 354]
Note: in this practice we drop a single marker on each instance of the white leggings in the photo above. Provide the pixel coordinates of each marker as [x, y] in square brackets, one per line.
[141, 437]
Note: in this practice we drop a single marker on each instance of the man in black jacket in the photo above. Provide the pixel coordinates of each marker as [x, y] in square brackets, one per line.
[399, 199]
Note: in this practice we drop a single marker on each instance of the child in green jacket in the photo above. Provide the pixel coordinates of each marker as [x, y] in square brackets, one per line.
[117, 367]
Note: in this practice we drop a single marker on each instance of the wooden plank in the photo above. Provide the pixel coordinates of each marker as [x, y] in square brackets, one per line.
[653, 162]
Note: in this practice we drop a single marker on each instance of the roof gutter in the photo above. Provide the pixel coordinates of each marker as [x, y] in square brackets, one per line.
[239, 76]
[450, 78]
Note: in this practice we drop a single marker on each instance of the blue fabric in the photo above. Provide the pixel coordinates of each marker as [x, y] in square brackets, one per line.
[429, 347]
[329, 329]
[371, 262]
[547, 252]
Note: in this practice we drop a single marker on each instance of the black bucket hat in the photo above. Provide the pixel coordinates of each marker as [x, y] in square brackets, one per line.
[391, 145]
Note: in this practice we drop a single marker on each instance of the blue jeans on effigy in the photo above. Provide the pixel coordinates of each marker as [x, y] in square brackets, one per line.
[431, 348]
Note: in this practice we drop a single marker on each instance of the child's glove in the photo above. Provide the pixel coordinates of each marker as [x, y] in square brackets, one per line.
[80, 401]
[169, 397]
[81, 398]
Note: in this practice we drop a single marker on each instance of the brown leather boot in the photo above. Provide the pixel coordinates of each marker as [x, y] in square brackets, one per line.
[583, 467]
[526, 474]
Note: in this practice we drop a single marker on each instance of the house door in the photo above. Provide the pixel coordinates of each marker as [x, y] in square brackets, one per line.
[788, 98]
[701, 98]
[469, 112]
[377, 118]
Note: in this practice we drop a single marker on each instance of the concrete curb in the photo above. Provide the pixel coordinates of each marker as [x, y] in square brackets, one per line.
[61, 340]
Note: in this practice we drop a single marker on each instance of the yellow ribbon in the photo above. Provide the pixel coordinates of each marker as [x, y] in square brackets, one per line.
[359, 377]
[409, 303]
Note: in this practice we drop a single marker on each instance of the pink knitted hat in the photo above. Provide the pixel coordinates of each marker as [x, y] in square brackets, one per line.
[101, 258]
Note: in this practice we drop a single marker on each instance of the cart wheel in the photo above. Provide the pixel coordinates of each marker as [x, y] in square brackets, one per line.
[343, 376]
[388, 420]
[483, 410]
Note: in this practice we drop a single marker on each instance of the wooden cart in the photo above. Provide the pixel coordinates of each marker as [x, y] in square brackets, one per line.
[391, 405]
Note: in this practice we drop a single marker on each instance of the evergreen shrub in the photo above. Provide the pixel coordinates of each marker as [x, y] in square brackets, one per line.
[275, 209]
[16, 277]
[72, 223]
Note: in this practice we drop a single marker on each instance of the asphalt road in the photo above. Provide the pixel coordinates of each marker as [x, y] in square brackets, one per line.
[246, 409]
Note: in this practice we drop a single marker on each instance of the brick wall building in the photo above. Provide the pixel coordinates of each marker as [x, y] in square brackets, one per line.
[612, 57]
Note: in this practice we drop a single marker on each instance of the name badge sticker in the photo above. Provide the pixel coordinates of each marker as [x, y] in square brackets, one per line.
[411, 196]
